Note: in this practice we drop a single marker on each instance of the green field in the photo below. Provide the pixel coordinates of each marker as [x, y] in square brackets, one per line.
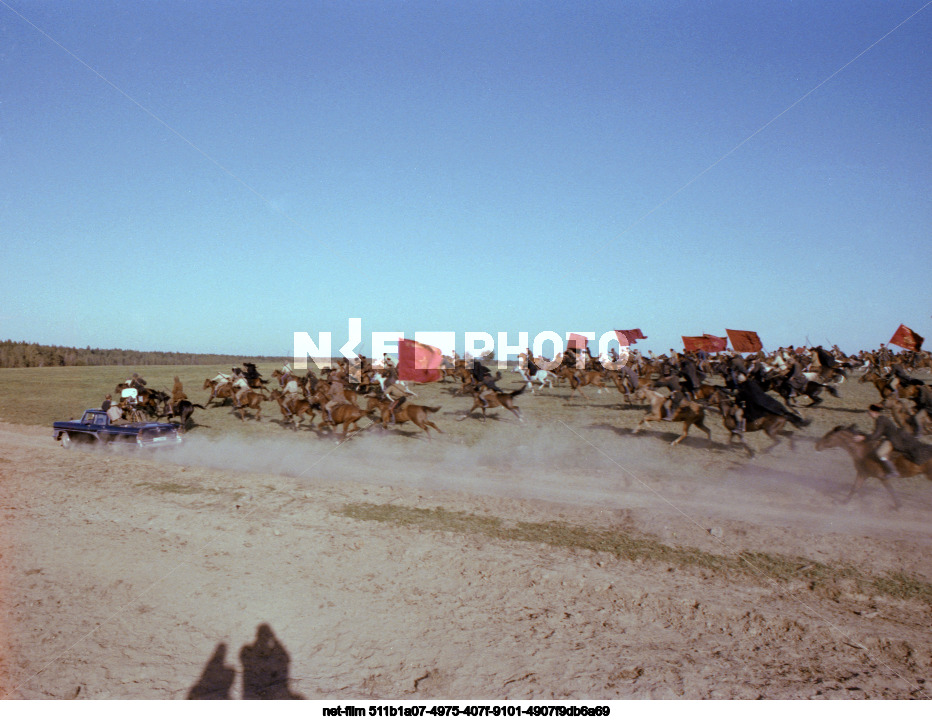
[40, 396]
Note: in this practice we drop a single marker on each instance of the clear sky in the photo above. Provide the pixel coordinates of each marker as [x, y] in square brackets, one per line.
[214, 176]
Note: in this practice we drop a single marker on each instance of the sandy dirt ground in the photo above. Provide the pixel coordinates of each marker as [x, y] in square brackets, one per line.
[235, 567]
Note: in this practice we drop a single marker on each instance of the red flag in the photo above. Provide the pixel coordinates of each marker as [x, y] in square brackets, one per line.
[744, 341]
[693, 343]
[714, 344]
[418, 362]
[629, 337]
[577, 342]
[907, 338]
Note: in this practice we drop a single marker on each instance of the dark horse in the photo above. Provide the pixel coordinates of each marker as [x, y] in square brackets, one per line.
[184, 409]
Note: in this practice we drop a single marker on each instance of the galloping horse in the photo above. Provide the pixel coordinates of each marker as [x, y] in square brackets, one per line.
[346, 414]
[866, 463]
[882, 384]
[299, 407]
[249, 400]
[218, 389]
[184, 409]
[770, 423]
[408, 412]
[578, 379]
[689, 413]
[494, 400]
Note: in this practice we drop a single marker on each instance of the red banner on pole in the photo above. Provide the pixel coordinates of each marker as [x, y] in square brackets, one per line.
[577, 342]
[907, 338]
[693, 343]
[704, 342]
[629, 337]
[418, 362]
[744, 341]
[714, 344]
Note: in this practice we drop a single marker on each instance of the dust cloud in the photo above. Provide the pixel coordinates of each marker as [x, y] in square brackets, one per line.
[801, 488]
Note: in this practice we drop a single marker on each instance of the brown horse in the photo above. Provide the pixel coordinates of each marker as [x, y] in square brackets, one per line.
[882, 384]
[866, 463]
[578, 379]
[346, 414]
[417, 414]
[299, 407]
[218, 390]
[494, 400]
[771, 424]
[250, 400]
[623, 383]
[689, 413]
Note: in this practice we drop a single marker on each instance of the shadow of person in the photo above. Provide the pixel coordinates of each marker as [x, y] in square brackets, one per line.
[265, 668]
[216, 682]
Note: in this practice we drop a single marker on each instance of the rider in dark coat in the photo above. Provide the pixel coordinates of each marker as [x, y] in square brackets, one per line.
[531, 366]
[893, 438]
[758, 404]
[484, 379]
[669, 380]
[826, 359]
[796, 380]
[690, 372]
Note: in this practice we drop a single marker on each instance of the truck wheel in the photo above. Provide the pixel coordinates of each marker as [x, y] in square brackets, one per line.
[65, 440]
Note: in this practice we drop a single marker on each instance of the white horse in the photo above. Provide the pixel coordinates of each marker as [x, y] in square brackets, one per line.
[386, 386]
[543, 378]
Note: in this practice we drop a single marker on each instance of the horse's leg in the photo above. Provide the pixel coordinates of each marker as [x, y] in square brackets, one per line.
[701, 424]
[896, 501]
[776, 442]
[858, 482]
[686, 425]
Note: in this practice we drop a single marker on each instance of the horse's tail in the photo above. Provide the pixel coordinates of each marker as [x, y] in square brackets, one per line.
[432, 409]
[517, 392]
[832, 390]
[198, 405]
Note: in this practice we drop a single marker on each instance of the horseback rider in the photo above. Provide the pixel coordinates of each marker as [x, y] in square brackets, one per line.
[671, 381]
[893, 438]
[757, 403]
[396, 404]
[291, 394]
[336, 393]
[532, 368]
[691, 374]
[796, 380]
[901, 378]
[485, 382]
[240, 388]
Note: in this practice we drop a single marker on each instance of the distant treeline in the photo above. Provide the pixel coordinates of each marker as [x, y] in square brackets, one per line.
[32, 355]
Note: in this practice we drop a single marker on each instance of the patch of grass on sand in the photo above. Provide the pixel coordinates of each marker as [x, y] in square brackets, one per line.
[168, 487]
[821, 577]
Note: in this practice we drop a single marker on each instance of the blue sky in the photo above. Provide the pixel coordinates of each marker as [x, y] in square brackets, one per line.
[214, 176]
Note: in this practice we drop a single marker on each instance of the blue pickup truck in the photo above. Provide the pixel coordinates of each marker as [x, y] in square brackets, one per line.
[95, 427]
